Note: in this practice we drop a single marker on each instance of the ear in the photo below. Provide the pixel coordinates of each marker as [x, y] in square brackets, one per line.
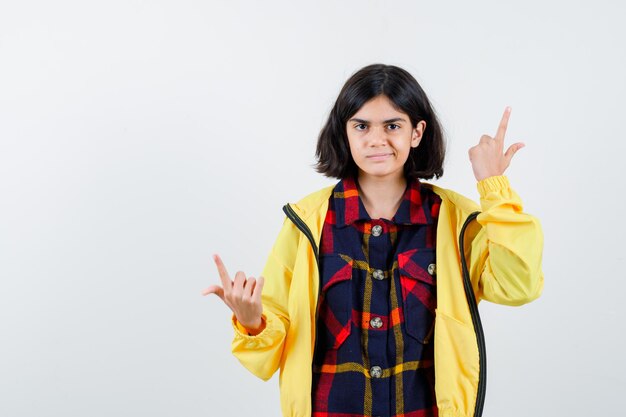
[418, 132]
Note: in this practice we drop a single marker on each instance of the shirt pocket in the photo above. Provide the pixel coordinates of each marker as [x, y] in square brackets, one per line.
[335, 299]
[419, 297]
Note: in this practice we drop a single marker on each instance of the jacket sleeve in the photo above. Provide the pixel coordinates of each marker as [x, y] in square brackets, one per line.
[261, 354]
[506, 252]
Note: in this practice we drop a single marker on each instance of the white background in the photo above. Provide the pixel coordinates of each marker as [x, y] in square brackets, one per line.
[137, 138]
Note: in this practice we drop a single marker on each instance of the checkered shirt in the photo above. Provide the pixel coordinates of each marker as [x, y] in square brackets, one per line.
[374, 348]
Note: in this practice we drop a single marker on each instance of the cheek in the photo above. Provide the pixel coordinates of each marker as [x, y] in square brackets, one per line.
[357, 157]
[354, 148]
[404, 153]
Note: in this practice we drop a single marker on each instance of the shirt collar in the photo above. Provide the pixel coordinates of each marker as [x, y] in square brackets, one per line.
[349, 207]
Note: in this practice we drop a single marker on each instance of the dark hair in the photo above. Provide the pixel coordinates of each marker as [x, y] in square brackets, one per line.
[333, 151]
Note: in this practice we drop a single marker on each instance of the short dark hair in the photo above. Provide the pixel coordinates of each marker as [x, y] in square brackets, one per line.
[333, 150]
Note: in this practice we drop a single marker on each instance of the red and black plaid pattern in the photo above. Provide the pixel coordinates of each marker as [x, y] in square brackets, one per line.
[373, 354]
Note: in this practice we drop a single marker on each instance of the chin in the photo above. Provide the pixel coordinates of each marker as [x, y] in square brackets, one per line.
[382, 173]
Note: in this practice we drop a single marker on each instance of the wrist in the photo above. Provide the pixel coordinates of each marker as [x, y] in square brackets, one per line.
[254, 329]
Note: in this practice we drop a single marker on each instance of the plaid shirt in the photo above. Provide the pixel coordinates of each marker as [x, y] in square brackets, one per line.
[373, 354]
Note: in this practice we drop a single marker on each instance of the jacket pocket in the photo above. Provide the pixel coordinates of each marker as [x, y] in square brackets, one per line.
[417, 272]
[335, 313]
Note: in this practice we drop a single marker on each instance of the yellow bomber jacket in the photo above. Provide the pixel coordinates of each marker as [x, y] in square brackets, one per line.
[492, 252]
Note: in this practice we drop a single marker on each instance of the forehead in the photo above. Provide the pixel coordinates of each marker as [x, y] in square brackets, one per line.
[378, 109]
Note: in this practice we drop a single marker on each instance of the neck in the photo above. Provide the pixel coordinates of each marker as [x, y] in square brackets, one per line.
[381, 196]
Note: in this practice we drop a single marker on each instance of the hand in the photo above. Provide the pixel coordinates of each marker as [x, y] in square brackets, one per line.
[242, 296]
[487, 158]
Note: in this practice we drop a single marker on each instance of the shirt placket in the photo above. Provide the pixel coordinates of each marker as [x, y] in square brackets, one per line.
[377, 246]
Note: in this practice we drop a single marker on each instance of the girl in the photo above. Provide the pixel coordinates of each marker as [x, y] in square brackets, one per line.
[368, 301]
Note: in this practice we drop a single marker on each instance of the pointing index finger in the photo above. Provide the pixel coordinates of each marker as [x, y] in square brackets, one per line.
[221, 269]
[503, 124]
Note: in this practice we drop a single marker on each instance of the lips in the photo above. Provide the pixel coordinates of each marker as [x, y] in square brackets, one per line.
[378, 156]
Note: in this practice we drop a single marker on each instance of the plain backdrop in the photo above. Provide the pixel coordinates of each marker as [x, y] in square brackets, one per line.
[139, 137]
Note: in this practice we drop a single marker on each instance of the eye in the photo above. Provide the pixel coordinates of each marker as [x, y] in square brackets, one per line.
[360, 124]
[396, 127]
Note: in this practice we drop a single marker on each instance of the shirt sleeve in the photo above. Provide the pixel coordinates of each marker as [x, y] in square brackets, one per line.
[261, 353]
[506, 252]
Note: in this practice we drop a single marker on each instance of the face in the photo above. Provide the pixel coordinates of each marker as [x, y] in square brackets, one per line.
[380, 139]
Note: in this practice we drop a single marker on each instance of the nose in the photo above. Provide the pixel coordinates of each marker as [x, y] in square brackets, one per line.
[378, 137]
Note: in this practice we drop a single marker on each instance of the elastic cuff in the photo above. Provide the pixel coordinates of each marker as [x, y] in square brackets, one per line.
[242, 331]
[494, 183]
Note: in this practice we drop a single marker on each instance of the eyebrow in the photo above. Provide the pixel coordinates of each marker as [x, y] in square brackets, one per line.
[395, 119]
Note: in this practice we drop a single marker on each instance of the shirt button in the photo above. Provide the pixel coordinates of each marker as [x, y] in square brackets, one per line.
[376, 371]
[378, 274]
[376, 322]
[432, 268]
[377, 230]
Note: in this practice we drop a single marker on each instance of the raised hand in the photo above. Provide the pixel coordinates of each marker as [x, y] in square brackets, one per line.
[242, 296]
[487, 158]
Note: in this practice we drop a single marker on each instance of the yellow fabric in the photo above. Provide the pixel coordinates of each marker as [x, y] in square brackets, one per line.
[503, 246]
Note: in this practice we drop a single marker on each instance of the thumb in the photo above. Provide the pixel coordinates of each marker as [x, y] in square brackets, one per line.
[214, 289]
[513, 149]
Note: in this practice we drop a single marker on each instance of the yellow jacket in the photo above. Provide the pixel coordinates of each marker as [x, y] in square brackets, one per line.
[502, 263]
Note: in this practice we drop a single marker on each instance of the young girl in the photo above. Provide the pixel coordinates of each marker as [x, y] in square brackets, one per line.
[368, 301]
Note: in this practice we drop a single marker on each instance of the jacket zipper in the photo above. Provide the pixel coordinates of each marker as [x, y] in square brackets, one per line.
[478, 327]
[291, 214]
[302, 226]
